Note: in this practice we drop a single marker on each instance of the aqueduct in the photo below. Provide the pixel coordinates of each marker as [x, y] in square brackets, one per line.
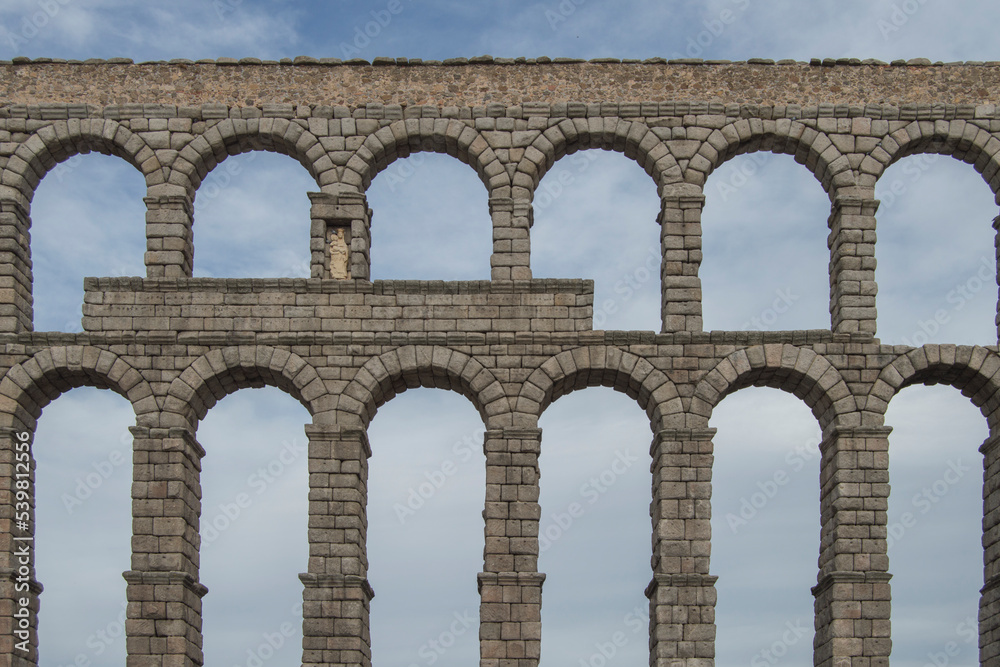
[342, 345]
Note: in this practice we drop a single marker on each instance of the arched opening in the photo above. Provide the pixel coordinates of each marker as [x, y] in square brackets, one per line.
[87, 219]
[430, 221]
[251, 218]
[935, 525]
[936, 270]
[765, 527]
[764, 246]
[253, 524]
[426, 492]
[594, 533]
[595, 217]
[83, 527]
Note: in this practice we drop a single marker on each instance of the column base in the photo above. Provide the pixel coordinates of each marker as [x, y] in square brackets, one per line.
[510, 618]
[682, 620]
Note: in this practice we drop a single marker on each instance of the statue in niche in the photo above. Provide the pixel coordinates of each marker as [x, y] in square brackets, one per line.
[339, 253]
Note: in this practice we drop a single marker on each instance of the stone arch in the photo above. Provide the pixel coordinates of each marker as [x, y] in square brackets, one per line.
[808, 146]
[600, 366]
[234, 136]
[796, 370]
[961, 139]
[632, 138]
[34, 383]
[973, 370]
[62, 139]
[402, 138]
[391, 373]
[220, 372]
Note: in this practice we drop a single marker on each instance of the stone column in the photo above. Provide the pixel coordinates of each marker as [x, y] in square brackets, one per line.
[682, 593]
[15, 266]
[989, 602]
[337, 596]
[340, 237]
[19, 590]
[512, 220]
[852, 594]
[852, 263]
[511, 586]
[680, 241]
[169, 244]
[163, 624]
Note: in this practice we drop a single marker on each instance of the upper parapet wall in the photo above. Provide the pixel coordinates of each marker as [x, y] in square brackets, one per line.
[481, 81]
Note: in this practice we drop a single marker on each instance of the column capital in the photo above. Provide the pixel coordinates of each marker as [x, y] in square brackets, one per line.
[328, 581]
[990, 444]
[179, 201]
[830, 579]
[170, 433]
[337, 433]
[684, 434]
[510, 579]
[136, 578]
[835, 432]
[864, 205]
[515, 433]
[685, 580]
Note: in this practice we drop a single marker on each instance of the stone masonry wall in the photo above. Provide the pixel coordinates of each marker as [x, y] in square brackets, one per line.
[343, 345]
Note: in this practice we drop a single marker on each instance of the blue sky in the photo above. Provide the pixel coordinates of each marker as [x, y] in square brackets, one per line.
[764, 240]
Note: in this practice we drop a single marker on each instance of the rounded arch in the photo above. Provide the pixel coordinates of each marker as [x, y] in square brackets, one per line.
[600, 366]
[632, 138]
[411, 366]
[973, 370]
[796, 370]
[34, 383]
[958, 138]
[808, 146]
[62, 139]
[402, 138]
[234, 136]
[218, 373]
